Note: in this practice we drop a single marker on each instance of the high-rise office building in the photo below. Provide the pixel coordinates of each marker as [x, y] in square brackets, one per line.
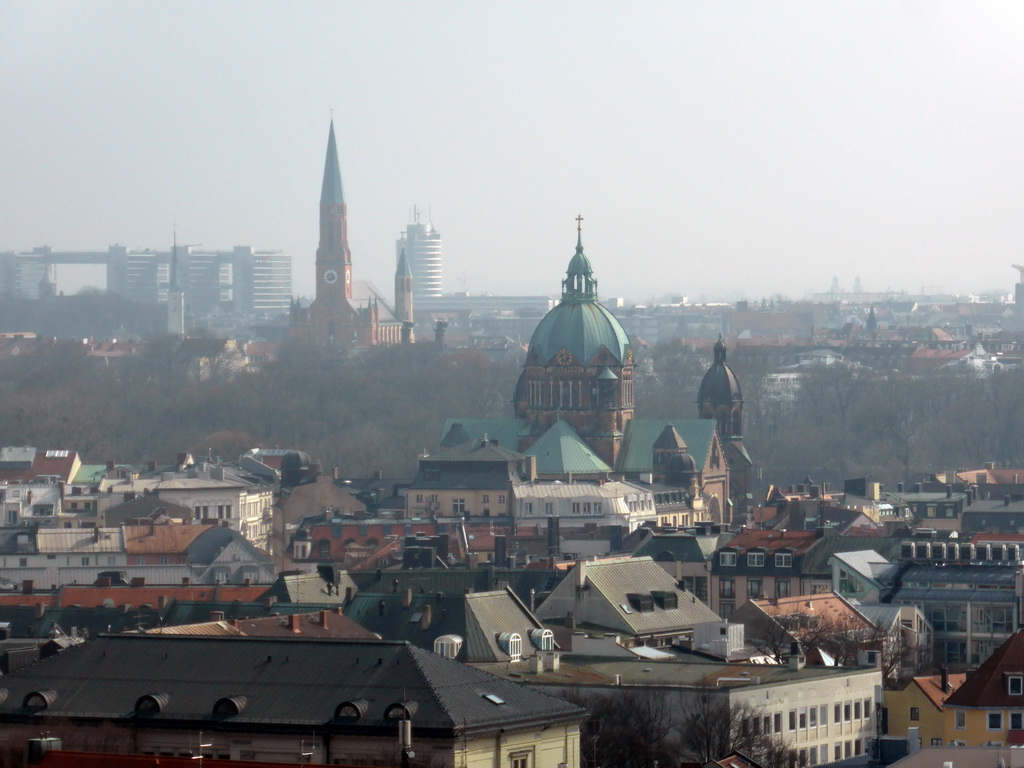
[422, 245]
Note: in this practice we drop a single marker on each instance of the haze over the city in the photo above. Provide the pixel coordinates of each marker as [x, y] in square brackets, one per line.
[714, 150]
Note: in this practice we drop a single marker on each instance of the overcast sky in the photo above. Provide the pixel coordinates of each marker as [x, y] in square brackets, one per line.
[714, 149]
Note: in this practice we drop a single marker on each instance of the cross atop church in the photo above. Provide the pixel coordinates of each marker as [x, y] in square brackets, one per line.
[579, 223]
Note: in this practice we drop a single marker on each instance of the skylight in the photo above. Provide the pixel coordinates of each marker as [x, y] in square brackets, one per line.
[494, 699]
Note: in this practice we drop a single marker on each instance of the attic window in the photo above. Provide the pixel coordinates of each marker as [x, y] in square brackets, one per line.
[152, 703]
[1015, 685]
[229, 705]
[543, 639]
[353, 709]
[512, 644]
[625, 608]
[40, 699]
[494, 699]
[401, 710]
[448, 646]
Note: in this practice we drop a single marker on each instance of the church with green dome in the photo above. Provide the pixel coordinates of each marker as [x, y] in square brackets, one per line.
[574, 408]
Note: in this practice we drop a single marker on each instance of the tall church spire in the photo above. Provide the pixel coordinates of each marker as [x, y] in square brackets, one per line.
[331, 192]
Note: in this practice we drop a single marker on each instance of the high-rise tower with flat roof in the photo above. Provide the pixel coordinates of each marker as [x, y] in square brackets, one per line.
[422, 246]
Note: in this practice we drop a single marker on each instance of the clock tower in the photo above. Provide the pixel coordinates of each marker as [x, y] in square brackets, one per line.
[334, 316]
[333, 257]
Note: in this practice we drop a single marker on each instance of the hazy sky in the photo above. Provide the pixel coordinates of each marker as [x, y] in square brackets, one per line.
[739, 149]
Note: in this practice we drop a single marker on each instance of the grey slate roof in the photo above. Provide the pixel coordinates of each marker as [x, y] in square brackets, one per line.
[478, 618]
[308, 588]
[285, 682]
[457, 581]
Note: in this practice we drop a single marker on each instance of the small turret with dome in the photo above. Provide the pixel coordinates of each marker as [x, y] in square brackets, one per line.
[720, 397]
[579, 366]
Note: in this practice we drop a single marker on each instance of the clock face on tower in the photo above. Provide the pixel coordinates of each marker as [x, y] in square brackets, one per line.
[330, 277]
[564, 357]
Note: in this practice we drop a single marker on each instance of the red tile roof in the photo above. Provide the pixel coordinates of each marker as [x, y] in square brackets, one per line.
[161, 539]
[92, 597]
[987, 687]
[931, 686]
[773, 540]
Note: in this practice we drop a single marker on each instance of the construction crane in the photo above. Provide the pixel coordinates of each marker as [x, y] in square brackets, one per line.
[1019, 268]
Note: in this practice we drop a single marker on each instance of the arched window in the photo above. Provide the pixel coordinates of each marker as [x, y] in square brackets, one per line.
[448, 646]
[401, 710]
[351, 709]
[512, 644]
[543, 639]
[229, 705]
[40, 699]
[152, 703]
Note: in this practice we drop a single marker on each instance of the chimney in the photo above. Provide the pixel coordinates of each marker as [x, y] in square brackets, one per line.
[28, 587]
[439, 330]
[335, 474]
[185, 581]
[216, 615]
[138, 581]
[268, 602]
[152, 466]
[110, 465]
[350, 592]
[500, 556]
[103, 581]
[426, 616]
[248, 581]
[295, 623]
[581, 574]
[899, 487]
[553, 537]
[406, 597]
[570, 619]
[949, 491]
[796, 656]
[944, 671]
[380, 608]
[40, 610]
[323, 618]
[536, 664]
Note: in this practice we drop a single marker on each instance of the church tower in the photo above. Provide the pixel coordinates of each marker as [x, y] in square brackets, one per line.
[721, 399]
[333, 257]
[579, 367]
[404, 297]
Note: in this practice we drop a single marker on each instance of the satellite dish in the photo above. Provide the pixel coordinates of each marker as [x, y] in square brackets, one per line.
[108, 603]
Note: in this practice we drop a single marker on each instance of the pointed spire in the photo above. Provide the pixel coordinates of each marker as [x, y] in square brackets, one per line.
[172, 281]
[403, 269]
[579, 283]
[331, 193]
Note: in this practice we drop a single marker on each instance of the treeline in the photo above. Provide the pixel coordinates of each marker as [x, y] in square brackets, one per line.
[377, 409]
[380, 408]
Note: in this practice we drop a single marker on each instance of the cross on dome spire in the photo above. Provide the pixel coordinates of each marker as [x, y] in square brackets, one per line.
[579, 283]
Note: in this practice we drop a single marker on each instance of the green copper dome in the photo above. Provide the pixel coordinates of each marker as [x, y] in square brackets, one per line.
[580, 323]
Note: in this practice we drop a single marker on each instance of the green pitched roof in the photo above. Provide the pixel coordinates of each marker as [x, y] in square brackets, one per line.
[637, 452]
[561, 450]
[506, 431]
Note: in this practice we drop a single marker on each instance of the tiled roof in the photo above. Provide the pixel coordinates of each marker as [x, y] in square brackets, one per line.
[798, 541]
[161, 539]
[615, 580]
[829, 606]
[561, 451]
[92, 596]
[79, 540]
[931, 686]
[286, 683]
[206, 628]
[637, 452]
[987, 686]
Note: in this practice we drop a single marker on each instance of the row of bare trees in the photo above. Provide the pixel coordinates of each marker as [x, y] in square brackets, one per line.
[645, 727]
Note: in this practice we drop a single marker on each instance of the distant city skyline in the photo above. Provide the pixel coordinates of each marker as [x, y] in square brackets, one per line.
[714, 151]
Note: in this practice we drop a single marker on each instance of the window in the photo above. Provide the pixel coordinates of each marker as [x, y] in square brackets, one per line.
[803, 719]
[915, 714]
[937, 742]
[1016, 721]
[994, 721]
[755, 588]
[575, 507]
[782, 588]
[846, 712]
[812, 717]
[727, 558]
[778, 722]
[727, 588]
[960, 719]
[486, 498]
[792, 719]
[458, 507]
[755, 559]
[1015, 685]
[856, 710]
[85, 561]
[783, 560]
[520, 760]
[419, 498]
[838, 753]
[837, 713]
[823, 717]
[501, 498]
[726, 608]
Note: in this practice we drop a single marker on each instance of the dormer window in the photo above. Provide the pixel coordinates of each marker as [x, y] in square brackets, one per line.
[1015, 685]
[727, 558]
[512, 644]
[783, 559]
[755, 559]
